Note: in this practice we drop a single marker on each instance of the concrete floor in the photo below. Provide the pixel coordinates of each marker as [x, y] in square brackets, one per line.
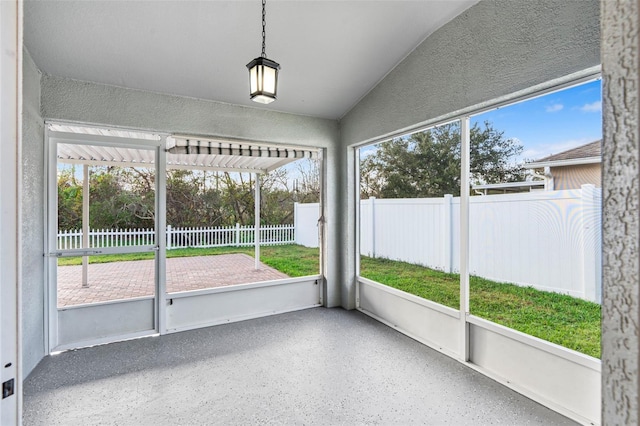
[318, 366]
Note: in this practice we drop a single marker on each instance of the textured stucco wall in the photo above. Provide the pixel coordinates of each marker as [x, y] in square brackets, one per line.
[493, 49]
[73, 100]
[32, 218]
[621, 218]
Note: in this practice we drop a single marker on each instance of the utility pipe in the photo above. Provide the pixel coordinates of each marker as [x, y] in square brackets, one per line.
[256, 237]
[85, 224]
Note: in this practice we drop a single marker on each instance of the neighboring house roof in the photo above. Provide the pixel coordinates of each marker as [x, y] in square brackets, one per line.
[584, 154]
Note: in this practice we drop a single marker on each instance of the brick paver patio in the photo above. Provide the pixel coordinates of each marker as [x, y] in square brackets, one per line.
[124, 280]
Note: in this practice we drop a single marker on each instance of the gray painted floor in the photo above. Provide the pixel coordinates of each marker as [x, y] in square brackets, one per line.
[318, 366]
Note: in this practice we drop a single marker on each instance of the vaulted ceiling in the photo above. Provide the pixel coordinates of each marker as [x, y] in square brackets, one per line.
[332, 53]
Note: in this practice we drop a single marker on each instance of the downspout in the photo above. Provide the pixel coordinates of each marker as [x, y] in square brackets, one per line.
[256, 232]
[548, 183]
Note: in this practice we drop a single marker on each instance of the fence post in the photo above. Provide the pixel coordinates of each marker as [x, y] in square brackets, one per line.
[591, 243]
[372, 221]
[237, 236]
[295, 222]
[168, 237]
[447, 232]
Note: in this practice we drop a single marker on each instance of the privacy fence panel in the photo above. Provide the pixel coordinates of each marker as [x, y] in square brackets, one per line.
[306, 224]
[535, 239]
[550, 240]
[411, 230]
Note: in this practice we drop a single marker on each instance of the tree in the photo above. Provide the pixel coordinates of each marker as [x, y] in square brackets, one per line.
[427, 164]
[194, 199]
[307, 183]
[69, 199]
[121, 197]
[124, 197]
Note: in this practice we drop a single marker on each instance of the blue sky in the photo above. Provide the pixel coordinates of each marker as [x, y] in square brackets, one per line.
[547, 124]
[551, 123]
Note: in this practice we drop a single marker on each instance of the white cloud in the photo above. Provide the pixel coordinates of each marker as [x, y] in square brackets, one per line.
[544, 150]
[592, 107]
[555, 107]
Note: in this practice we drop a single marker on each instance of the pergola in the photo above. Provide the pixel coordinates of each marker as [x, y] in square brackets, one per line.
[180, 152]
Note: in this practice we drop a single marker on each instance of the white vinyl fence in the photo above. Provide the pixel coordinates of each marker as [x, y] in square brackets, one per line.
[306, 218]
[550, 240]
[180, 237]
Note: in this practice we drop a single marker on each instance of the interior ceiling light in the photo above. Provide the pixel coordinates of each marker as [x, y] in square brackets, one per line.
[263, 72]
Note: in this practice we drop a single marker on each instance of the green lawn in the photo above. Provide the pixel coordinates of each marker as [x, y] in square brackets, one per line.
[565, 320]
[295, 261]
[561, 319]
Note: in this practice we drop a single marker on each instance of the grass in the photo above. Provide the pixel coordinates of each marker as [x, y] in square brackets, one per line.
[295, 261]
[568, 321]
[564, 320]
[561, 319]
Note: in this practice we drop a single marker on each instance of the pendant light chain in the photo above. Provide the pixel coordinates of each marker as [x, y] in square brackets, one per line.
[264, 24]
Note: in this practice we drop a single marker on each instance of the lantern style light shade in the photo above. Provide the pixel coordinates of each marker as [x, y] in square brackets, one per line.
[263, 80]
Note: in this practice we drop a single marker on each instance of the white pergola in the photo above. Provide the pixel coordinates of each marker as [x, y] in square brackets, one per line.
[86, 146]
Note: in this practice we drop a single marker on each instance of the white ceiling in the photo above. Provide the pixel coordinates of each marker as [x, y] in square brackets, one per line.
[331, 52]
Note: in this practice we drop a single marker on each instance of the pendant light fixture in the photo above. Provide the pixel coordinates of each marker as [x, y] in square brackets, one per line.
[263, 73]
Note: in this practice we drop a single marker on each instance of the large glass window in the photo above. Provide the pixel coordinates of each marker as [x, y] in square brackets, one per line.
[409, 190]
[211, 220]
[535, 217]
